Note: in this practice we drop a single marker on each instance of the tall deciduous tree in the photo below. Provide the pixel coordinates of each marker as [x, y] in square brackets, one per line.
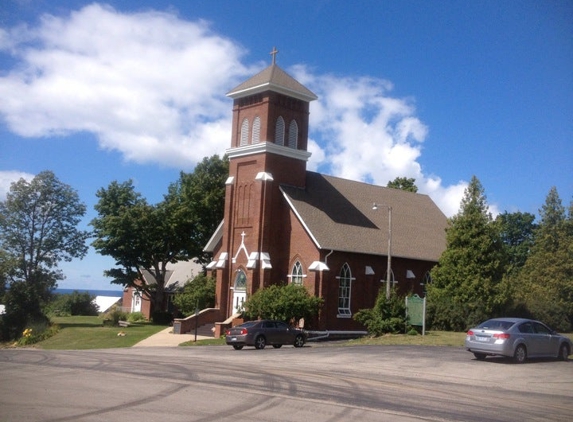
[144, 238]
[468, 284]
[546, 280]
[199, 198]
[38, 230]
[403, 183]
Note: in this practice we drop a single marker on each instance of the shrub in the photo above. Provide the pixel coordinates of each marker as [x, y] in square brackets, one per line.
[136, 317]
[283, 303]
[114, 315]
[36, 333]
[75, 303]
[387, 316]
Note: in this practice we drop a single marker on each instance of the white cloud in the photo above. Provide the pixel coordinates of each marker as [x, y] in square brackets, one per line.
[363, 133]
[152, 86]
[9, 177]
[147, 84]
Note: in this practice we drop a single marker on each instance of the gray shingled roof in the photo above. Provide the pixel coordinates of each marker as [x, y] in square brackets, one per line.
[338, 214]
[177, 274]
[273, 78]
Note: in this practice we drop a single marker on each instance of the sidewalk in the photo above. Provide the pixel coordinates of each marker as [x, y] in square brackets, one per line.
[166, 338]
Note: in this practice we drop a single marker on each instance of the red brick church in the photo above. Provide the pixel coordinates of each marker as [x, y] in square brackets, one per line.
[284, 224]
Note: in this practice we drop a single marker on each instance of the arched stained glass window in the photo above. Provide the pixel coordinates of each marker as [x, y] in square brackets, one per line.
[293, 134]
[240, 281]
[244, 132]
[280, 131]
[256, 130]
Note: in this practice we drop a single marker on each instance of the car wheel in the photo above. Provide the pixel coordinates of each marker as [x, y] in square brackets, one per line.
[563, 352]
[480, 356]
[520, 354]
[277, 346]
[299, 341]
[260, 342]
[237, 346]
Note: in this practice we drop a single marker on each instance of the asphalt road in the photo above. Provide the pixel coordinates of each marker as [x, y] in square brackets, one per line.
[314, 383]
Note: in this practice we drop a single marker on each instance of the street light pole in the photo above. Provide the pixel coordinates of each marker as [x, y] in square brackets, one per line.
[389, 265]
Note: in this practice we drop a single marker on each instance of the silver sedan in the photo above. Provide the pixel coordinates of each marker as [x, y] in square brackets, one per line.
[517, 338]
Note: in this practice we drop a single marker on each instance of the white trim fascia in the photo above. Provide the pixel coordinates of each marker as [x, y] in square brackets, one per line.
[217, 235]
[268, 147]
[298, 216]
[268, 86]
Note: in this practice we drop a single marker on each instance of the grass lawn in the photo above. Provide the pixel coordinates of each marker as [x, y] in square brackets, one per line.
[83, 332]
[431, 338]
[87, 332]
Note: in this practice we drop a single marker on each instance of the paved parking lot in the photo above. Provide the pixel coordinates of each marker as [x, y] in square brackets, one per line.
[318, 383]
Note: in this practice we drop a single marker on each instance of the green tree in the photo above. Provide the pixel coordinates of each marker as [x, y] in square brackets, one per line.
[546, 280]
[403, 183]
[38, 230]
[198, 293]
[144, 238]
[517, 234]
[199, 198]
[283, 303]
[468, 284]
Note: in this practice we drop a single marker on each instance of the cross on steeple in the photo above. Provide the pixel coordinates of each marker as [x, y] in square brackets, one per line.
[274, 54]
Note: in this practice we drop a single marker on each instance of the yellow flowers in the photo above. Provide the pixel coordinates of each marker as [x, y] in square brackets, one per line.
[27, 333]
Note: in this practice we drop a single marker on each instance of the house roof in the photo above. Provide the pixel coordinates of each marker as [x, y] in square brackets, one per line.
[338, 214]
[177, 274]
[273, 78]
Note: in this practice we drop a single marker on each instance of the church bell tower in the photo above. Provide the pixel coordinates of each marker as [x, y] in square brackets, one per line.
[268, 149]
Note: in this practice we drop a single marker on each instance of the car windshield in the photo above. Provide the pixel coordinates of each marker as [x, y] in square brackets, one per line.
[247, 324]
[496, 324]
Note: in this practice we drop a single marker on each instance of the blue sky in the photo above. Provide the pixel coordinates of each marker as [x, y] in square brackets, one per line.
[435, 90]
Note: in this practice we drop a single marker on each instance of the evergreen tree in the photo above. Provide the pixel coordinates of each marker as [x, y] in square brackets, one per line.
[467, 284]
[517, 233]
[403, 183]
[546, 280]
